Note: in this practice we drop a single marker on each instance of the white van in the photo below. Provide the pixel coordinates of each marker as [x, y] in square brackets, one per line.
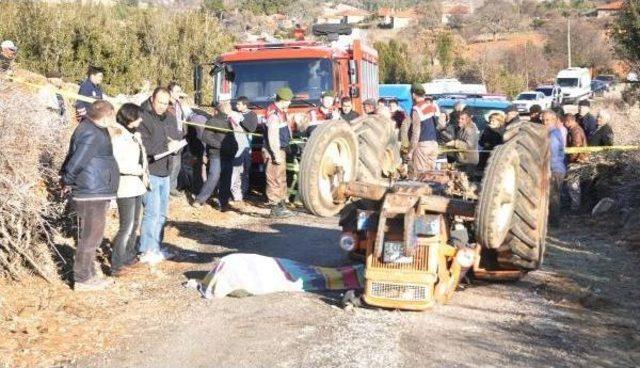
[575, 84]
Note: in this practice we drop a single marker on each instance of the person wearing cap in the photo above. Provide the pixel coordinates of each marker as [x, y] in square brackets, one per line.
[50, 95]
[512, 116]
[347, 113]
[603, 136]
[369, 106]
[8, 54]
[586, 120]
[534, 114]
[423, 145]
[326, 111]
[275, 149]
[90, 88]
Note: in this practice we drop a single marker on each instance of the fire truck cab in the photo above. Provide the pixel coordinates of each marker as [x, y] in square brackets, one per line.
[309, 68]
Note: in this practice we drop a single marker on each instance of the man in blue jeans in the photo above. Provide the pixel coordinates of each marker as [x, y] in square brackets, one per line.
[159, 136]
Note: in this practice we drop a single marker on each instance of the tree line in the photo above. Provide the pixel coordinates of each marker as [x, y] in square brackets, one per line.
[131, 43]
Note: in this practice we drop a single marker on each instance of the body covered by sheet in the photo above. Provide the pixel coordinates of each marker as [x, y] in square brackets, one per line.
[257, 275]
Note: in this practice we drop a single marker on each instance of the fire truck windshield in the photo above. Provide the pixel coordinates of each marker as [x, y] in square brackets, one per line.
[259, 80]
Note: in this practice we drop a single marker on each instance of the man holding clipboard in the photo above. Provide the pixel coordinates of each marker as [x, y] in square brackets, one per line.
[161, 139]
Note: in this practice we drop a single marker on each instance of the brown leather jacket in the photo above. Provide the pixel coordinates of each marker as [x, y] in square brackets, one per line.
[577, 138]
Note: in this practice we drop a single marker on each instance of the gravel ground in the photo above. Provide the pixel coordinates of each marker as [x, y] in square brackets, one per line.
[580, 309]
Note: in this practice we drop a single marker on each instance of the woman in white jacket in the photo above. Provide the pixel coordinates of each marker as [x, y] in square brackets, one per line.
[134, 183]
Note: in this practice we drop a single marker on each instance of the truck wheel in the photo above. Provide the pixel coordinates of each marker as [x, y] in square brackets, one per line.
[379, 148]
[329, 158]
[511, 215]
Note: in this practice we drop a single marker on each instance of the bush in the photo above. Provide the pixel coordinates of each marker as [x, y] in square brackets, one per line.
[132, 44]
[397, 65]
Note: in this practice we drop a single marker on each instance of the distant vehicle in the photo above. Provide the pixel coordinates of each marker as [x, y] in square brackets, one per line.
[552, 93]
[598, 88]
[575, 84]
[480, 108]
[525, 100]
[452, 86]
[608, 79]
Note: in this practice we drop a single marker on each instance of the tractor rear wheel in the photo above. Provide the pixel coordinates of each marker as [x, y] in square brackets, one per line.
[329, 158]
[367, 150]
[511, 214]
[379, 148]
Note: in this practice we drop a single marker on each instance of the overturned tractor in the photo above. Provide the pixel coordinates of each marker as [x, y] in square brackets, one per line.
[419, 237]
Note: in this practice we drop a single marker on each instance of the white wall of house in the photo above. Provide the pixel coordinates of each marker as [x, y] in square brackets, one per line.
[400, 22]
[353, 19]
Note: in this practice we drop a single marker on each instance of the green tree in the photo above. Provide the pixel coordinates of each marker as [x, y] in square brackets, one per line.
[444, 50]
[267, 7]
[396, 64]
[132, 44]
[626, 33]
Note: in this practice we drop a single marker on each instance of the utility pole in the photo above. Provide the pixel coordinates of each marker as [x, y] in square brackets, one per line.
[526, 65]
[569, 41]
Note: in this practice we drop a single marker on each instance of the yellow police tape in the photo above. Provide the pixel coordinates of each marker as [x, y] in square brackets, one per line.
[568, 150]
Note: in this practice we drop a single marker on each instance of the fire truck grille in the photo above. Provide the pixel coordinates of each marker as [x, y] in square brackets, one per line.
[398, 291]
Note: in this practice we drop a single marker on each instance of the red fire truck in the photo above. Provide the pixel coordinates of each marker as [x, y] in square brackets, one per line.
[309, 68]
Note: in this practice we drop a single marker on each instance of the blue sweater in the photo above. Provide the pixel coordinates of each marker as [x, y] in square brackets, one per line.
[557, 152]
[91, 90]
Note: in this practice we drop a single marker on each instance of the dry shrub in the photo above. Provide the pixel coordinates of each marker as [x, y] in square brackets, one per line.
[32, 146]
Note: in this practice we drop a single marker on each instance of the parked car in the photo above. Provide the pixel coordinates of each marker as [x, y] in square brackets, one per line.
[598, 88]
[525, 100]
[608, 79]
[552, 93]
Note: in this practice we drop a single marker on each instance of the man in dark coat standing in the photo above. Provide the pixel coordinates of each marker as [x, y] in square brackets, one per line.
[585, 119]
[90, 173]
[161, 139]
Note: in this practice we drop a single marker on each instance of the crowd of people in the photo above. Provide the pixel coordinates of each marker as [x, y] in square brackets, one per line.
[145, 152]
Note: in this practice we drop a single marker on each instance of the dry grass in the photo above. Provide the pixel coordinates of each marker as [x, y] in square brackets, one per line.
[32, 144]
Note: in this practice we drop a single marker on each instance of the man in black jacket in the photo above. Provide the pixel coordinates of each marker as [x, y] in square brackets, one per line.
[160, 138]
[586, 120]
[603, 135]
[213, 139]
[90, 173]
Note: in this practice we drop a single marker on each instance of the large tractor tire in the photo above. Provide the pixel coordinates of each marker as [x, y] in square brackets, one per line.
[512, 209]
[366, 150]
[379, 148]
[329, 158]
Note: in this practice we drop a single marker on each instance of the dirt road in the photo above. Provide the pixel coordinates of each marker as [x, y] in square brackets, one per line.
[580, 310]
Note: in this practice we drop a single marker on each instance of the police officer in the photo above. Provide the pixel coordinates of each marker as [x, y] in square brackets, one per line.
[277, 141]
[423, 147]
[90, 88]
